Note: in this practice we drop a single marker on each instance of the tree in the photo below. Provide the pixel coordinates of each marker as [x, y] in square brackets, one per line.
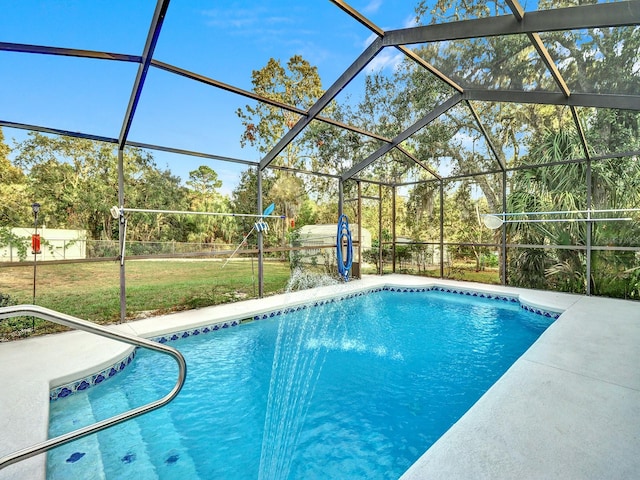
[76, 181]
[8, 173]
[158, 189]
[244, 199]
[298, 85]
[308, 214]
[15, 204]
[423, 212]
[204, 181]
[204, 197]
[563, 188]
[15, 207]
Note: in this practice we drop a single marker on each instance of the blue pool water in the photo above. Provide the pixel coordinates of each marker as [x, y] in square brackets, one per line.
[354, 389]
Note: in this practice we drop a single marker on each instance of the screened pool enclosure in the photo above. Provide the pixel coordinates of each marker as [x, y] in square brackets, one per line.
[447, 113]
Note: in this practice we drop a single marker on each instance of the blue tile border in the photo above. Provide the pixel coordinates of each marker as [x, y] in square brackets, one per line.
[475, 293]
[315, 303]
[540, 311]
[92, 380]
[457, 291]
[67, 389]
[195, 331]
[97, 378]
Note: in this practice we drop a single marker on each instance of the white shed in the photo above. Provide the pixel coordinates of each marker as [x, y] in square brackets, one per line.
[324, 235]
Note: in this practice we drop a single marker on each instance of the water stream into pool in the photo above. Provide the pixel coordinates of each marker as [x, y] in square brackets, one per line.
[294, 374]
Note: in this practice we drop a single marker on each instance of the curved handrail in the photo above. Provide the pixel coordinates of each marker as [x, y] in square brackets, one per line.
[77, 323]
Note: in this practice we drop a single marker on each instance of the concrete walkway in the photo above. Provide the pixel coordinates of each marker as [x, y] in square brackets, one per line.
[568, 408]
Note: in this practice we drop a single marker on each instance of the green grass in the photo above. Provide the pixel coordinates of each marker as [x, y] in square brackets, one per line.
[459, 271]
[467, 271]
[92, 290]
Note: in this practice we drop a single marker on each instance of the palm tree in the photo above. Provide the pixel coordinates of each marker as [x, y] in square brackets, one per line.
[615, 185]
[543, 189]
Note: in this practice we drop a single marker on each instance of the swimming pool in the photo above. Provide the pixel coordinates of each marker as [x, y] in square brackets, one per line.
[378, 377]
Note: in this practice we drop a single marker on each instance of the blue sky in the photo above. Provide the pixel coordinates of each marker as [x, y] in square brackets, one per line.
[221, 40]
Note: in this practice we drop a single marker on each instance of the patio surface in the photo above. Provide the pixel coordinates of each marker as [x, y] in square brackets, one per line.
[569, 408]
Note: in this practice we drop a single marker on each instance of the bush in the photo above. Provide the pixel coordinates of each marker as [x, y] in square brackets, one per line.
[14, 327]
[9, 239]
[490, 260]
[6, 300]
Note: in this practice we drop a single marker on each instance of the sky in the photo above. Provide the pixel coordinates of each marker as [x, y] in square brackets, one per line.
[222, 40]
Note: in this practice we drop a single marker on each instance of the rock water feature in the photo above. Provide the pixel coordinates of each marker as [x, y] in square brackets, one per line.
[294, 374]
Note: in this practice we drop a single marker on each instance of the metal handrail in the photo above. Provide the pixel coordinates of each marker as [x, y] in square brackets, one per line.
[79, 324]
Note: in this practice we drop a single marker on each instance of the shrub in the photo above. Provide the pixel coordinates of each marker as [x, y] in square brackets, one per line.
[6, 300]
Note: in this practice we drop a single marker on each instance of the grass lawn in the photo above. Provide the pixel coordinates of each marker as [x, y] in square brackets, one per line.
[459, 271]
[92, 290]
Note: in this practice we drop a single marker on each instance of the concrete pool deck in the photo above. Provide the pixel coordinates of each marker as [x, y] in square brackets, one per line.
[568, 408]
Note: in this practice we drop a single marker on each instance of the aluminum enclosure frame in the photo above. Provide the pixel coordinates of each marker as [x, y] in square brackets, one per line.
[616, 14]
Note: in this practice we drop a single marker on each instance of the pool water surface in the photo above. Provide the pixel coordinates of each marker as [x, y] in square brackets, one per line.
[357, 389]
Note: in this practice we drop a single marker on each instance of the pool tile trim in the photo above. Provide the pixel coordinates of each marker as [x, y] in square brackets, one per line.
[193, 332]
[92, 380]
[545, 312]
[70, 388]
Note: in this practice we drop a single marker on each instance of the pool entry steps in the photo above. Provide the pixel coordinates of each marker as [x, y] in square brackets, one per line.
[79, 324]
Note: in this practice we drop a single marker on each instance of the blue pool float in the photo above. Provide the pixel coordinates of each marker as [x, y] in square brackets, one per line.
[344, 234]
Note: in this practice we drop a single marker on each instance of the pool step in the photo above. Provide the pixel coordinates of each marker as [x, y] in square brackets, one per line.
[125, 453]
[169, 455]
[80, 458]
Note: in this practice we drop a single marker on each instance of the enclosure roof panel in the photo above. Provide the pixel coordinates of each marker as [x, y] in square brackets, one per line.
[508, 62]
[599, 60]
[222, 36]
[106, 26]
[173, 75]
